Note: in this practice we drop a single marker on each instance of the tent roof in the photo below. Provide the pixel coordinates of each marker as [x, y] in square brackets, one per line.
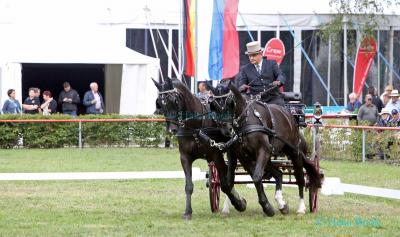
[61, 45]
[139, 12]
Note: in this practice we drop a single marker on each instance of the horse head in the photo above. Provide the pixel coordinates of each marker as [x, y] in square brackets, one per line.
[166, 103]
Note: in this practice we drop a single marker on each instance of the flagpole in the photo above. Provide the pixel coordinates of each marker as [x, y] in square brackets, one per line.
[196, 43]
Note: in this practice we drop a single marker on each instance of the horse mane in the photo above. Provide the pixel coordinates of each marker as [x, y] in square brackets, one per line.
[238, 97]
[190, 101]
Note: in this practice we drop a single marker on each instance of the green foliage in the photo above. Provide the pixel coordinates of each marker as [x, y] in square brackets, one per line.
[366, 16]
[66, 134]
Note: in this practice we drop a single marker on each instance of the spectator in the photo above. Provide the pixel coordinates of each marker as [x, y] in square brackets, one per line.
[384, 118]
[354, 104]
[375, 99]
[11, 105]
[49, 105]
[394, 103]
[385, 97]
[395, 121]
[203, 94]
[31, 104]
[368, 111]
[69, 99]
[93, 100]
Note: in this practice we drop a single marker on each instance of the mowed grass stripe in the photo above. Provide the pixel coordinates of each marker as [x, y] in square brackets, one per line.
[154, 208]
[154, 159]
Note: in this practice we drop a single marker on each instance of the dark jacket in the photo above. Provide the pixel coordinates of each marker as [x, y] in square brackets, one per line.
[270, 72]
[377, 102]
[91, 108]
[69, 106]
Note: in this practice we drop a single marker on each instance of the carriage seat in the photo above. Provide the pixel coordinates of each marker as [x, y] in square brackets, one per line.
[295, 107]
[291, 96]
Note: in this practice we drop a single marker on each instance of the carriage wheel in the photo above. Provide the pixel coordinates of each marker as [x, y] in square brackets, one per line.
[214, 187]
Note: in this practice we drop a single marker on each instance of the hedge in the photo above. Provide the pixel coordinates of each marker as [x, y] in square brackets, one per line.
[65, 134]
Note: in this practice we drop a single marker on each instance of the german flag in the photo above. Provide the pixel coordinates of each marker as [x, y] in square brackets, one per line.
[189, 36]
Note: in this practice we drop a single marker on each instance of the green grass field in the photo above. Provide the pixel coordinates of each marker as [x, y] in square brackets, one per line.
[154, 207]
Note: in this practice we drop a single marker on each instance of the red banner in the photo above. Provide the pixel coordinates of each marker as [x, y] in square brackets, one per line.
[365, 55]
[275, 50]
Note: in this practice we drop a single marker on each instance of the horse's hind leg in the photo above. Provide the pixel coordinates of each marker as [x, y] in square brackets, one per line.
[299, 175]
[262, 160]
[277, 174]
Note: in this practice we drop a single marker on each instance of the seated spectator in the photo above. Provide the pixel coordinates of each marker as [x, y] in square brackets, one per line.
[385, 97]
[93, 100]
[395, 121]
[384, 118]
[368, 111]
[395, 102]
[354, 104]
[11, 105]
[31, 104]
[375, 99]
[49, 105]
[203, 94]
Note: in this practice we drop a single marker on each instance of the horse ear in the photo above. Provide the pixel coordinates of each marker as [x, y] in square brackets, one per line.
[158, 85]
[234, 89]
[214, 90]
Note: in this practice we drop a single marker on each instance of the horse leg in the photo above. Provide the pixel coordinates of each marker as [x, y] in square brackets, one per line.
[239, 203]
[187, 168]
[232, 164]
[299, 175]
[262, 160]
[282, 205]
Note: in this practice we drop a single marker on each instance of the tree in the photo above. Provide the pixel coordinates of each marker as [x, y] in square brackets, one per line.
[366, 16]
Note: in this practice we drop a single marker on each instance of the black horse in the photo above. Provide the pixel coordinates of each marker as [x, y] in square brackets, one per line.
[264, 131]
[181, 107]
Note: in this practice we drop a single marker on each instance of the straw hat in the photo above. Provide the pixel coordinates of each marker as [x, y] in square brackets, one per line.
[384, 111]
[253, 48]
[395, 93]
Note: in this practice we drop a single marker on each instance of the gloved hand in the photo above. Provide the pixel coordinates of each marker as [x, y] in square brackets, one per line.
[243, 88]
[276, 83]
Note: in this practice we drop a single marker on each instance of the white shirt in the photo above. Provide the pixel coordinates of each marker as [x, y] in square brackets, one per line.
[390, 106]
[98, 101]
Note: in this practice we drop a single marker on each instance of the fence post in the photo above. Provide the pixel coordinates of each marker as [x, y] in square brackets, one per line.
[80, 135]
[363, 145]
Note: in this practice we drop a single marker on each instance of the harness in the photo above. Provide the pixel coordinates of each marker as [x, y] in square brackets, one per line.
[201, 134]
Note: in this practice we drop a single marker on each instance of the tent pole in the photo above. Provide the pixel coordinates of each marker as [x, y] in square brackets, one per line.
[378, 63]
[391, 54]
[345, 87]
[170, 53]
[180, 40]
[328, 101]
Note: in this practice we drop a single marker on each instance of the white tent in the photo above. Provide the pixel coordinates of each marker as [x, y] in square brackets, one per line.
[128, 74]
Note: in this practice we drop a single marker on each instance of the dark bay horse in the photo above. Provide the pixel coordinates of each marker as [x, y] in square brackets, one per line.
[181, 107]
[265, 130]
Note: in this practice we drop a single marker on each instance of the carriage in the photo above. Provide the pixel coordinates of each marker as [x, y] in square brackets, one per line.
[295, 107]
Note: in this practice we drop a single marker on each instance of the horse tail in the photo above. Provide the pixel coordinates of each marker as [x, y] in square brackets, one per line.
[314, 176]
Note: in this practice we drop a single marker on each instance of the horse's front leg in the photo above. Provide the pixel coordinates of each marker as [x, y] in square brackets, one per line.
[258, 174]
[187, 169]
[238, 202]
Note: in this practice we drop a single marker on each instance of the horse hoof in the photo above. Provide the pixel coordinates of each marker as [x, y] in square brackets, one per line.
[187, 217]
[285, 209]
[269, 210]
[300, 212]
[242, 205]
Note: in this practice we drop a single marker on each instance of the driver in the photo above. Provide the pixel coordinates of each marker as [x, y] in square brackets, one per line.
[260, 74]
